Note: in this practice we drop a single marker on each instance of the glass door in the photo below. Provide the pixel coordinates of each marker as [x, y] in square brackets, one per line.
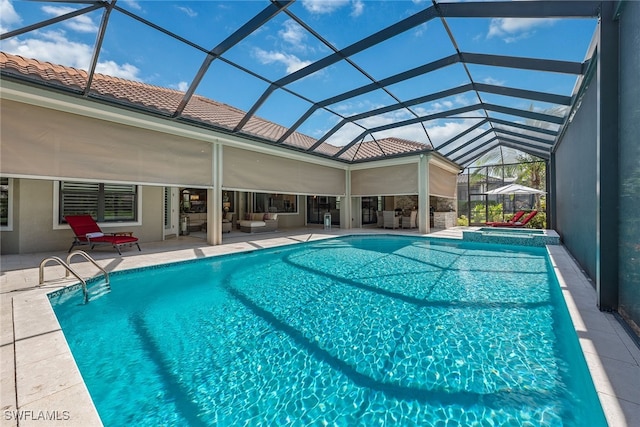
[317, 206]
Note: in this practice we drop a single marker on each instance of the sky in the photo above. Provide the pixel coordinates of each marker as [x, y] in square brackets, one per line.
[280, 47]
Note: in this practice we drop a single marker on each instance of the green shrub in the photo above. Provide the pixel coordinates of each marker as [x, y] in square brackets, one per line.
[478, 213]
[538, 221]
[495, 212]
[463, 220]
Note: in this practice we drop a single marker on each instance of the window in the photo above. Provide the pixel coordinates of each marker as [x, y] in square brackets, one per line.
[6, 204]
[280, 203]
[104, 202]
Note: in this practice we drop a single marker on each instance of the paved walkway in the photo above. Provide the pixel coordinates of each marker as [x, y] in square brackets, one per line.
[41, 385]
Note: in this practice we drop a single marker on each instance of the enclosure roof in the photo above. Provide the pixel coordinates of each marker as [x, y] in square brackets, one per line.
[349, 80]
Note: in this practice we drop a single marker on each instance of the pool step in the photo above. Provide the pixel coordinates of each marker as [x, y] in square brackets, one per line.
[99, 290]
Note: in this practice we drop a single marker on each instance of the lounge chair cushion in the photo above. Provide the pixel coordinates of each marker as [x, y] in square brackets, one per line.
[88, 232]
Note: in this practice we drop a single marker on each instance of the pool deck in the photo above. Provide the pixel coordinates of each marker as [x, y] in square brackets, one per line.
[41, 385]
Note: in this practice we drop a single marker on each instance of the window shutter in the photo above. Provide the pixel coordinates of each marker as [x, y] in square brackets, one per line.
[79, 198]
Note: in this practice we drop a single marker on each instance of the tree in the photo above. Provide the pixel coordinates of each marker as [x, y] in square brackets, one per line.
[533, 173]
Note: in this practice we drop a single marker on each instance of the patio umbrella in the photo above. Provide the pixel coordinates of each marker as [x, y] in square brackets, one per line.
[515, 189]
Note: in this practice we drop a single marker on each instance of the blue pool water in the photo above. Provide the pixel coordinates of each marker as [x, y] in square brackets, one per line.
[393, 331]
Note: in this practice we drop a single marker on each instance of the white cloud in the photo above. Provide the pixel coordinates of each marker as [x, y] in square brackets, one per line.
[292, 62]
[357, 8]
[492, 81]
[188, 11]
[54, 47]
[344, 135]
[293, 34]
[8, 16]
[133, 4]
[411, 132]
[420, 30]
[125, 71]
[323, 6]
[82, 23]
[462, 100]
[181, 86]
[355, 106]
[51, 46]
[441, 133]
[514, 29]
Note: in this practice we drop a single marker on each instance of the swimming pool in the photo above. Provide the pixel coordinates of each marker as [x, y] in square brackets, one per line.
[351, 331]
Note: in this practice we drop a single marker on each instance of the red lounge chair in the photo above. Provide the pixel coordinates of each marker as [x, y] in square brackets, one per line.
[515, 218]
[88, 232]
[516, 223]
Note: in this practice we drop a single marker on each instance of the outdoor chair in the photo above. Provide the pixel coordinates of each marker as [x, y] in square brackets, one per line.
[516, 223]
[390, 219]
[409, 221]
[513, 219]
[227, 222]
[88, 232]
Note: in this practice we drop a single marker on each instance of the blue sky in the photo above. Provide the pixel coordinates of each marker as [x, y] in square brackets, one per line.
[134, 51]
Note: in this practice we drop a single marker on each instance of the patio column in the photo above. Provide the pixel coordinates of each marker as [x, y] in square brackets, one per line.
[347, 215]
[424, 225]
[607, 160]
[214, 198]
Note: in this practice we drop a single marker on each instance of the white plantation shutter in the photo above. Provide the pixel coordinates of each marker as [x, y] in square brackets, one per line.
[104, 202]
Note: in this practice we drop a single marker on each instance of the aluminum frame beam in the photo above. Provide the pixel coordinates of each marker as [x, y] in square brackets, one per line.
[264, 16]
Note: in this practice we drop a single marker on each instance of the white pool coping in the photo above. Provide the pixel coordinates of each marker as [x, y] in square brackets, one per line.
[41, 382]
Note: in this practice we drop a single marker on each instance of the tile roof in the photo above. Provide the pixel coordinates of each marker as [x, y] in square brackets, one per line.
[165, 101]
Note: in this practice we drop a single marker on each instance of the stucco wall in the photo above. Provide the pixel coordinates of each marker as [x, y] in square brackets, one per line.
[629, 165]
[33, 219]
[576, 184]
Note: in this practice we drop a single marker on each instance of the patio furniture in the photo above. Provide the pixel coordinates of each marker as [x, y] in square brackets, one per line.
[513, 219]
[259, 222]
[391, 220]
[409, 221]
[227, 223]
[88, 232]
[516, 223]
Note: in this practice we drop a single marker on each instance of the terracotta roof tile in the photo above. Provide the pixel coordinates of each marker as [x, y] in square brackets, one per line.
[382, 147]
[200, 109]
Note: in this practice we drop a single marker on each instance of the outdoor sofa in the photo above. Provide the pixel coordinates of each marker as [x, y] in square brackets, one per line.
[259, 222]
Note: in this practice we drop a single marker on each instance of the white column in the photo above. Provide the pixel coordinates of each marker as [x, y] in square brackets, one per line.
[214, 198]
[423, 195]
[346, 220]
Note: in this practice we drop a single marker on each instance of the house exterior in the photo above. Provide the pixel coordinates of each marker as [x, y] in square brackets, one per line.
[60, 150]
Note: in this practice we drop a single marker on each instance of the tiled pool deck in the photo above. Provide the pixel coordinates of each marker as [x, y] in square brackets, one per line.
[40, 383]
